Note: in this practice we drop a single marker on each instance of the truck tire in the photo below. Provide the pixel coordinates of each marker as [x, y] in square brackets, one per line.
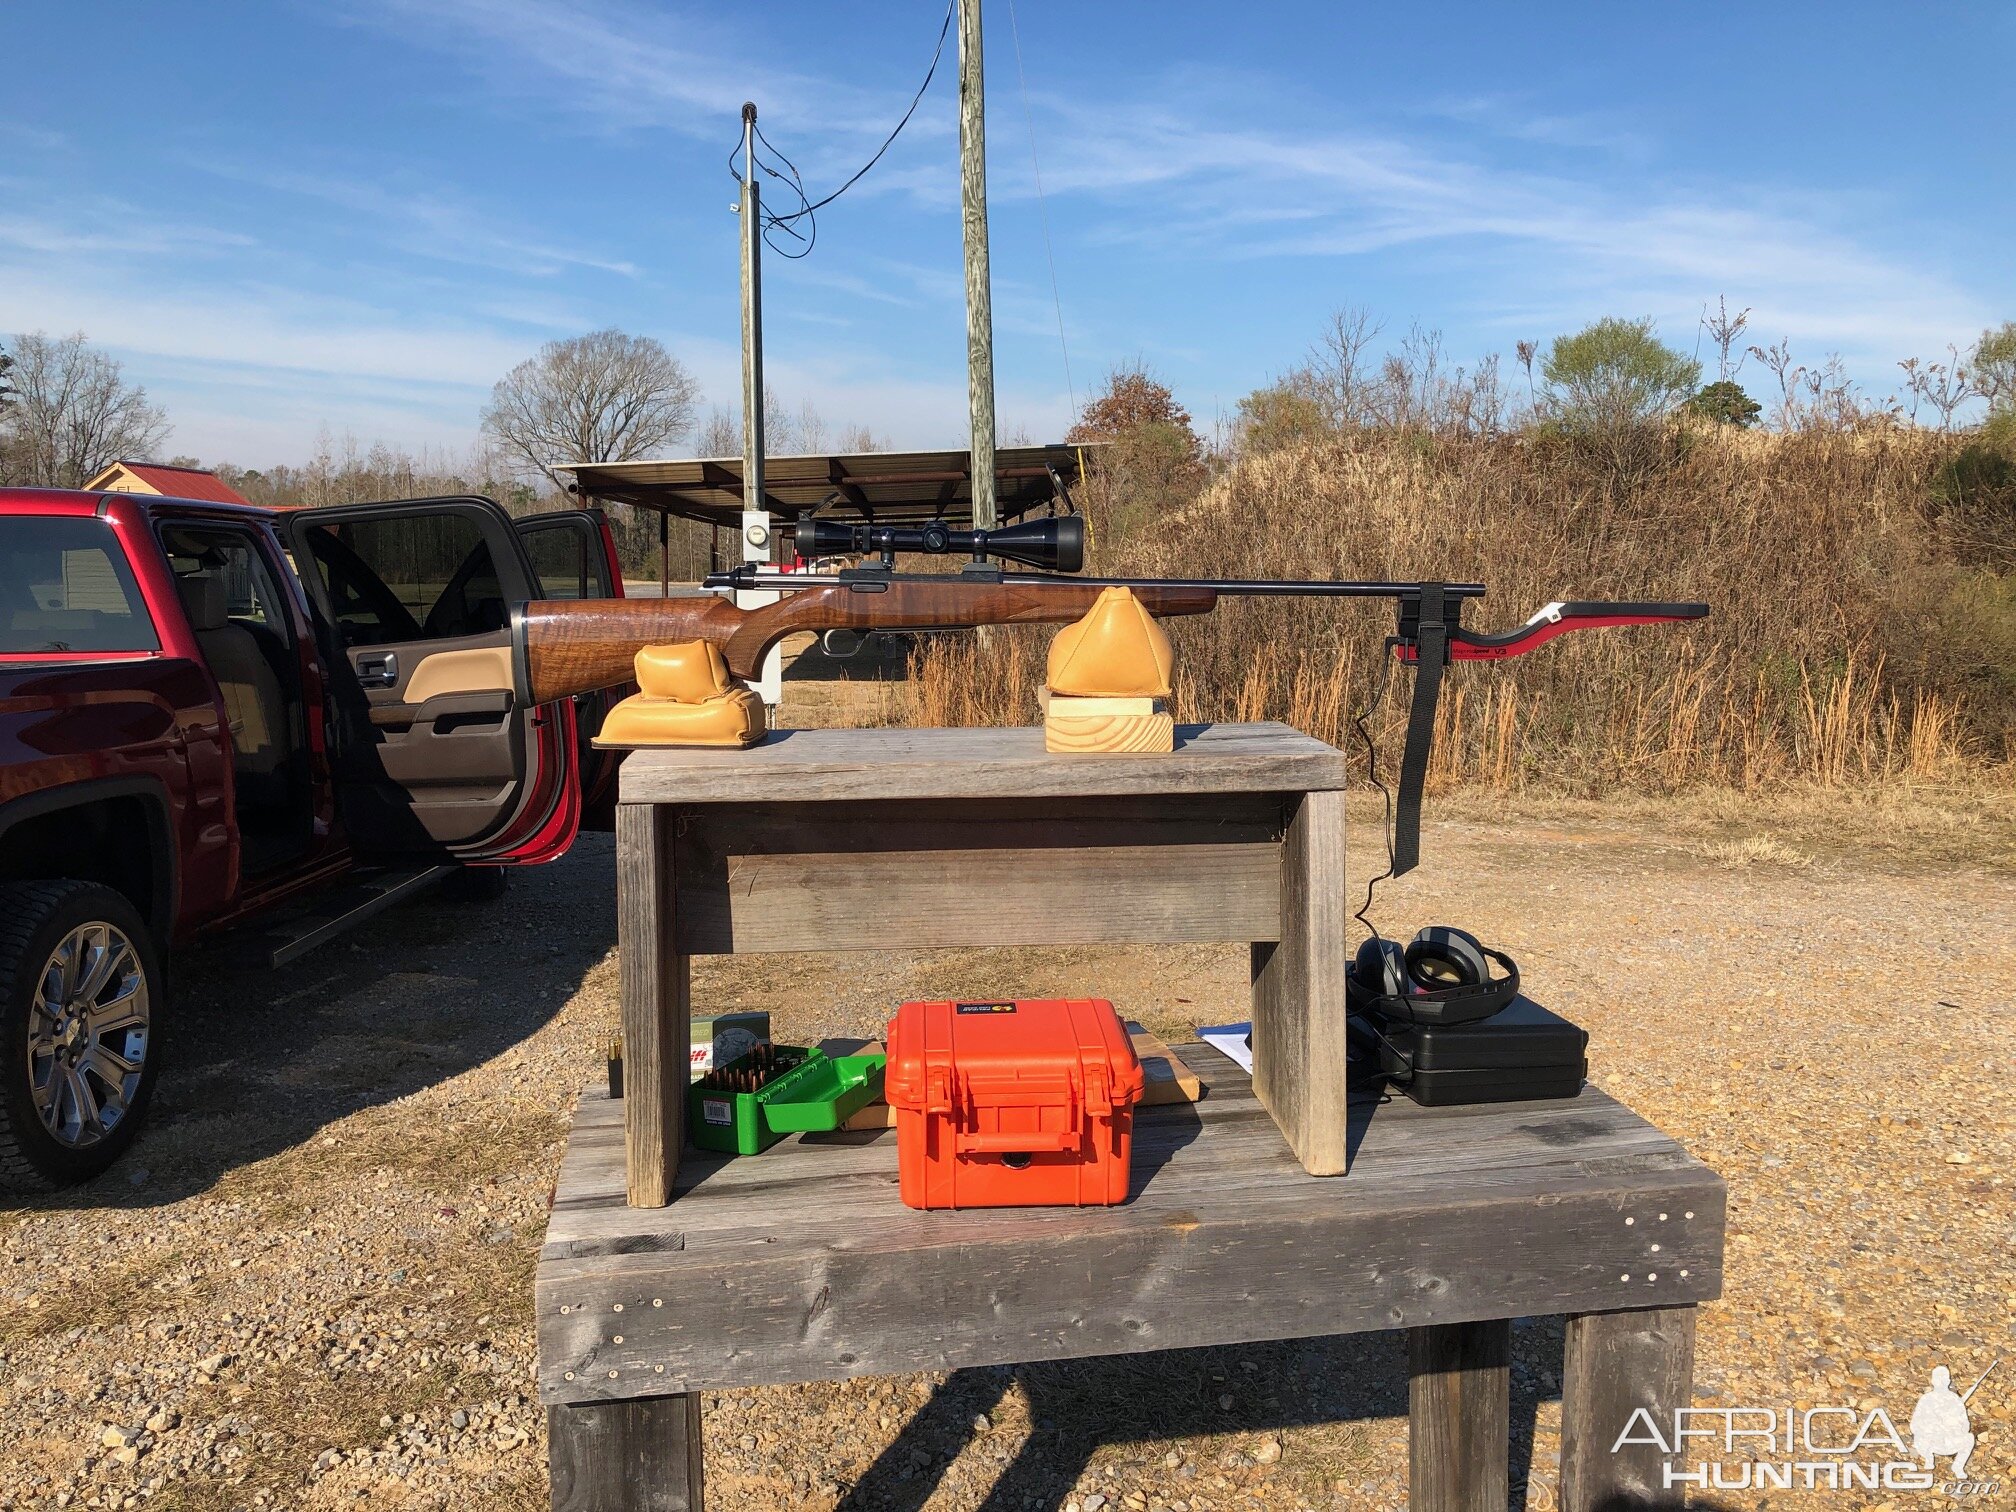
[81, 1004]
[477, 884]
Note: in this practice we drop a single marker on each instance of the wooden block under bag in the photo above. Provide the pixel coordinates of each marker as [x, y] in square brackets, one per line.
[1107, 724]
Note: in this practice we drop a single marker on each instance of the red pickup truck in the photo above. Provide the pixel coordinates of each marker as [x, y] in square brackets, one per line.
[208, 710]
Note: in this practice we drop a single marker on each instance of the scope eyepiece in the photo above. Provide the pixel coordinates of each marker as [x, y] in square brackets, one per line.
[1056, 543]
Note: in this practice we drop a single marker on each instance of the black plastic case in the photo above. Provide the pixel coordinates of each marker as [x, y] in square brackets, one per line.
[1522, 1052]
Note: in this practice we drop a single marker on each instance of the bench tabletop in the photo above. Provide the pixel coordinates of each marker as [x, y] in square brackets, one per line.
[812, 765]
[802, 1263]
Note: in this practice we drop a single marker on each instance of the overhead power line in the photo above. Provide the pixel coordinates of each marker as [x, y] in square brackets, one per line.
[789, 177]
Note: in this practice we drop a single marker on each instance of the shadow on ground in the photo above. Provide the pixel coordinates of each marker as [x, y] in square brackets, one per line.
[1079, 1405]
[258, 1060]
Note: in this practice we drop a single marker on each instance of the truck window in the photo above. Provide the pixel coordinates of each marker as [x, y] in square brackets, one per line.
[65, 586]
[560, 557]
[250, 595]
[408, 578]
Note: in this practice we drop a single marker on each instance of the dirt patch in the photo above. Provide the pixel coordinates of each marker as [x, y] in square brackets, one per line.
[309, 1286]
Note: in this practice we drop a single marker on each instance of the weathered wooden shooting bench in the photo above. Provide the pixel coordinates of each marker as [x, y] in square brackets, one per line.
[664, 1277]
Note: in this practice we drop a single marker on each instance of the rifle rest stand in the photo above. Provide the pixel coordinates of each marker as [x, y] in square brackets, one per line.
[686, 697]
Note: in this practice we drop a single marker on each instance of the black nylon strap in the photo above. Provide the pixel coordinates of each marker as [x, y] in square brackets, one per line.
[1431, 643]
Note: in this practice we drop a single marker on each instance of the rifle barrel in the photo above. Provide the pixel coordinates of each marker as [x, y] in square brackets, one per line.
[1232, 587]
[1259, 587]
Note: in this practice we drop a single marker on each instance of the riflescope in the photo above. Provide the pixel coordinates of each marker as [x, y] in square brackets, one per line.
[1056, 542]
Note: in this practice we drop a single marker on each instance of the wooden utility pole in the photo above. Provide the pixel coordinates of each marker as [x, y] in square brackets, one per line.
[979, 292]
[752, 328]
[758, 529]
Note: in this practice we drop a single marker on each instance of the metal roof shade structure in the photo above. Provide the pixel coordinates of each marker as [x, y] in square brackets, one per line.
[886, 488]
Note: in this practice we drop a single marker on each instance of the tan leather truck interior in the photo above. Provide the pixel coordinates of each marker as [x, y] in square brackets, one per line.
[253, 701]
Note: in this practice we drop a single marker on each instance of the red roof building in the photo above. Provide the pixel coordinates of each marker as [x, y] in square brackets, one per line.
[168, 481]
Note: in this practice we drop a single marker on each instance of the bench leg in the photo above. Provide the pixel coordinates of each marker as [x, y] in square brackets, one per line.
[1615, 1364]
[653, 980]
[641, 1455]
[1459, 1416]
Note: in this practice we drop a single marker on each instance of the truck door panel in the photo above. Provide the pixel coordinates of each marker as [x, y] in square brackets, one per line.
[573, 556]
[436, 754]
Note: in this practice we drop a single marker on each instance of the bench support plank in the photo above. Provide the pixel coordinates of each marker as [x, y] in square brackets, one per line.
[1614, 1364]
[1459, 1416]
[640, 1455]
[1298, 991]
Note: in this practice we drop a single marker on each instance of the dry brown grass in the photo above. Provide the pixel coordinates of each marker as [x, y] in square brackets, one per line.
[1847, 646]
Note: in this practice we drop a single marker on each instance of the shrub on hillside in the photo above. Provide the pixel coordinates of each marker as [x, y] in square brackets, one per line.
[1725, 403]
[1837, 605]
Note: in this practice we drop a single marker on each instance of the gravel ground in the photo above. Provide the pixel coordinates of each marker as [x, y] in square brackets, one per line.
[309, 1286]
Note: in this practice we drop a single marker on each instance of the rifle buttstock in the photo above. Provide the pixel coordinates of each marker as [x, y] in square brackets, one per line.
[569, 646]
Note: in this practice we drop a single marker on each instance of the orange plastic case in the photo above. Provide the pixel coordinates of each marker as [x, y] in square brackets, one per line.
[1021, 1104]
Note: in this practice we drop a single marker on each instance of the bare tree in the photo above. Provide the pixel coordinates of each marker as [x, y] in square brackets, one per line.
[780, 431]
[1337, 371]
[1943, 385]
[603, 397]
[811, 427]
[73, 413]
[1778, 359]
[1725, 330]
[1526, 351]
[721, 436]
[860, 438]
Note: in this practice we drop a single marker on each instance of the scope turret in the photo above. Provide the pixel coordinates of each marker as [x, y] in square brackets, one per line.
[1056, 543]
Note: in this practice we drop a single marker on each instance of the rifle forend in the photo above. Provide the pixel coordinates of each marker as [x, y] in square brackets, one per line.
[569, 646]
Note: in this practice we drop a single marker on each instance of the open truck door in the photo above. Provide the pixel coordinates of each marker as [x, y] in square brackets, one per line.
[573, 556]
[434, 755]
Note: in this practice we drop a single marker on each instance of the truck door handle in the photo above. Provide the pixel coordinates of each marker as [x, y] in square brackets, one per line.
[381, 671]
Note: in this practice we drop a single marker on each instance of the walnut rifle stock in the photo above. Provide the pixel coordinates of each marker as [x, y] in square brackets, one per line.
[569, 646]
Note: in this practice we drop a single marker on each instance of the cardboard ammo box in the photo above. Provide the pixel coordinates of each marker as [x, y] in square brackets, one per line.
[725, 1037]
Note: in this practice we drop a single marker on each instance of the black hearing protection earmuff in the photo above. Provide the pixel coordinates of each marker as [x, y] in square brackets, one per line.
[1442, 977]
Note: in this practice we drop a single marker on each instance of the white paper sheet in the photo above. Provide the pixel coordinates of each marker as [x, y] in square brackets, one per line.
[1230, 1039]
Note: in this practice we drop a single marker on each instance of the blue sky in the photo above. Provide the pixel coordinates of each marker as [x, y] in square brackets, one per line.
[358, 214]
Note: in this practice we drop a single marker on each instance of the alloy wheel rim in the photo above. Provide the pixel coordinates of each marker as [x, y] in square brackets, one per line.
[87, 1038]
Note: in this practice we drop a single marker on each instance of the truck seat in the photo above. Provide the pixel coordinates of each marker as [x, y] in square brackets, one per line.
[253, 701]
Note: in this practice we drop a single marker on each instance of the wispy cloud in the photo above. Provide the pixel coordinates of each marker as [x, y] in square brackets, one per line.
[375, 290]
[112, 227]
[431, 220]
[629, 66]
[1571, 246]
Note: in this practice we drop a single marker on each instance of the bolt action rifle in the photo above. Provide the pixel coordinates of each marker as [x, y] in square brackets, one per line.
[569, 646]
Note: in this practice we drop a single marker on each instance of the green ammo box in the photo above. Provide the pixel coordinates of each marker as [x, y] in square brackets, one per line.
[816, 1093]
